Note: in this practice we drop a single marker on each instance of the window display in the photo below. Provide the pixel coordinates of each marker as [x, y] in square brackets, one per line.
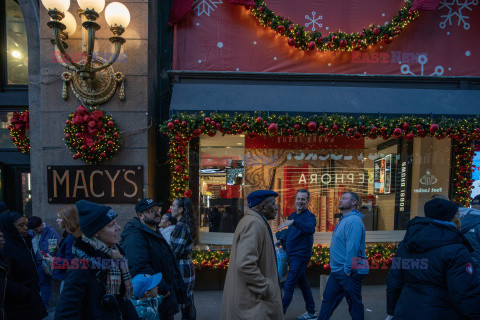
[394, 178]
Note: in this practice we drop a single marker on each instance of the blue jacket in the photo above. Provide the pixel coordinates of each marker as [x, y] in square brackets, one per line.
[64, 252]
[298, 238]
[47, 233]
[348, 244]
[432, 275]
[471, 231]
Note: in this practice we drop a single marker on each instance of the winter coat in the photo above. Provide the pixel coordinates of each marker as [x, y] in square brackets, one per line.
[47, 233]
[147, 309]
[252, 291]
[3, 286]
[298, 238]
[149, 253]
[471, 231]
[64, 253]
[432, 275]
[84, 287]
[22, 296]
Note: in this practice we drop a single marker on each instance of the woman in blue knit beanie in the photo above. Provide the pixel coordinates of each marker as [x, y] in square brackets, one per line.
[98, 283]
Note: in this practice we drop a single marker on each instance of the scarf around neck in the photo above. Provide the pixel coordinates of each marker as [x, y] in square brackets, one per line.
[117, 272]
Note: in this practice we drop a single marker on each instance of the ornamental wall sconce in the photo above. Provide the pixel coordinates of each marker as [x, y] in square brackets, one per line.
[92, 78]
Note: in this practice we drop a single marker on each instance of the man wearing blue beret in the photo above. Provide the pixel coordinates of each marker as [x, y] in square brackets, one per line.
[252, 291]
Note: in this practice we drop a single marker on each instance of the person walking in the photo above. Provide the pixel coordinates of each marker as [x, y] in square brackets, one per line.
[182, 238]
[42, 234]
[67, 220]
[298, 242]
[252, 289]
[348, 261]
[432, 274]
[149, 253]
[22, 296]
[100, 287]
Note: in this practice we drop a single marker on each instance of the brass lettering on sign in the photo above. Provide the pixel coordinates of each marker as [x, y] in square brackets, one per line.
[96, 195]
[112, 181]
[65, 177]
[81, 174]
[135, 187]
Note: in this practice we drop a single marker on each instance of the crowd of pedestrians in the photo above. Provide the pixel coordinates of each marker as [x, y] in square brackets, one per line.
[146, 271]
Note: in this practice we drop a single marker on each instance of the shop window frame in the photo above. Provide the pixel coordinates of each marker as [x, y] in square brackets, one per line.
[4, 86]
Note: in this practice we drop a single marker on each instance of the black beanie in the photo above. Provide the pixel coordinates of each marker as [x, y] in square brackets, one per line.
[440, 209]
[92, 216]
[34, 222]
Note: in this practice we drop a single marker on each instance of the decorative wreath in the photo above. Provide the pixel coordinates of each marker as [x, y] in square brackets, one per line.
[299, 38]
[183, 127]
[91, 135]
[19, 125]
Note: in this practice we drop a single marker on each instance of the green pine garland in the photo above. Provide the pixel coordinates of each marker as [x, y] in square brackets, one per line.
[185, 126]
[299, 38]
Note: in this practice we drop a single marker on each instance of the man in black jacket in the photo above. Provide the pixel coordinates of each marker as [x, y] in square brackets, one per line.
[432, 275]
[149, 253]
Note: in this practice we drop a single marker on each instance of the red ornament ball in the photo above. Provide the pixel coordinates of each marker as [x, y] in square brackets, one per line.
[178, 168]
[311, 45]
[291, 42]
[103, 155]
[273, 128]
[434, 128]
[187, 193]
[207, 119]
[184, 123]
[281, 29]
[312, 126]
[259, 119]
[296, 127]
[110, 123]
[409, 136]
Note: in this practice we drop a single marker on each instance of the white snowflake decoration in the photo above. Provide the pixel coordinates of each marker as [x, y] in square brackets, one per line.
[313, 21]
[422, 59]
[459, 13]
[205, 6]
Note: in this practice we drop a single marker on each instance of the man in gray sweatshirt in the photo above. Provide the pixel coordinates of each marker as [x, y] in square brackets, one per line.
[348, 261]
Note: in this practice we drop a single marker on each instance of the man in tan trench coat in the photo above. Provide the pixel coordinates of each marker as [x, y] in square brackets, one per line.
[252, 291]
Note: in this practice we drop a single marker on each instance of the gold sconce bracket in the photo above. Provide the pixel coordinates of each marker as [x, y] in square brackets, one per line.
[94, 91]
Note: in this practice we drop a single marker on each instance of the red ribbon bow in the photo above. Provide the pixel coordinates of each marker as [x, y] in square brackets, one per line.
[90, 123]
[21, 123]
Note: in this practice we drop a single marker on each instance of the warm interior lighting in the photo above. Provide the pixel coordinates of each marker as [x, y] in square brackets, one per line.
[16, 54]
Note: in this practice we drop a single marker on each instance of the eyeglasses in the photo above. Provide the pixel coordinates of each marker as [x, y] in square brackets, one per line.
[152, 210]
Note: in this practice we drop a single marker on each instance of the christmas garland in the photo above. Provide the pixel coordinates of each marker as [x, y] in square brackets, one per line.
[339, 40]
[464, 153]
[379, 257]
[91, 135]
[184, 127]
[19, 125]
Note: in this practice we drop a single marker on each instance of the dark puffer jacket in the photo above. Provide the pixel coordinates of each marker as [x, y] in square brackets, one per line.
[149, 253]
[432, 275]
[84, 288]
[471, 231]
[22, 296]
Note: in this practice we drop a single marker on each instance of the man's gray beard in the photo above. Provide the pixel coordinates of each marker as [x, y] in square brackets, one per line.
[151, 222]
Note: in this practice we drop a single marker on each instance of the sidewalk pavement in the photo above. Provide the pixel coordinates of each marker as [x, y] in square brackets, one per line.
[209, 303]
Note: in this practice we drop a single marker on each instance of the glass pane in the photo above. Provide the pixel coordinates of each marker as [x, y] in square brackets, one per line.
[26, 194]
[5, 138]
[221, 182]
[17, 52]
[393, 178]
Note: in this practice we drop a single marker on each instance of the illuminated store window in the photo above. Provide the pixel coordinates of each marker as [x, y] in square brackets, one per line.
[5, 138]
[393, 178]
[16, 45]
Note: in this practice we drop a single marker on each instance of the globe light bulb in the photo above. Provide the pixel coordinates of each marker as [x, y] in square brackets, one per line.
[117, 14]
[70, 23]
[60, 5]
[96, 5]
